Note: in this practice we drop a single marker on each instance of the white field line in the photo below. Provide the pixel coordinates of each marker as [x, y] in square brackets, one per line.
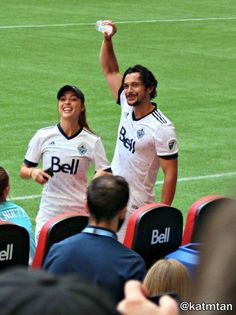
[189, 179]
[120, 22]
[183, 179]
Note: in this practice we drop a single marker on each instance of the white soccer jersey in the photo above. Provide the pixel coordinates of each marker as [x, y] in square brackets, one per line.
[139, 144]
[69, 158]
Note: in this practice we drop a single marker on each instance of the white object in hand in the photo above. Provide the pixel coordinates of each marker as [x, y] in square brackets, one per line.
[103, 27]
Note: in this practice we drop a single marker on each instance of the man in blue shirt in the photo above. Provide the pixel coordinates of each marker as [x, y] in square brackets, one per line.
[95, 254]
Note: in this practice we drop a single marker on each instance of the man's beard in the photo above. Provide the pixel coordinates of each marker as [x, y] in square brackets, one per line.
[137, 103]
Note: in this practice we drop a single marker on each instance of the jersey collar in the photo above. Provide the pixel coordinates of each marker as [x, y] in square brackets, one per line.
[65, 135]
[136, 119]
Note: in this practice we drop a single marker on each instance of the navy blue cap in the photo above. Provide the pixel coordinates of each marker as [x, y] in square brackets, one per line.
[73, 88]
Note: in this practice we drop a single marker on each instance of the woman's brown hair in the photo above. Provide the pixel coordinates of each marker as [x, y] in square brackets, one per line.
[168, 275]
[4, 181]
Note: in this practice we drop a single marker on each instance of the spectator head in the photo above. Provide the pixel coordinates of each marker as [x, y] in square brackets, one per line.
[4, 184]
[35, 292]
[107, 196]
[168, 275]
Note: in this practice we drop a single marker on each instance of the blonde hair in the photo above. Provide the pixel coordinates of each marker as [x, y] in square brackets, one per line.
[168, 275]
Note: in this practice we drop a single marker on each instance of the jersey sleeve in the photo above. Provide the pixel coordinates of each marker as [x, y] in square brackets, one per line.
[34, 151]
[166, 142]
[99, 156]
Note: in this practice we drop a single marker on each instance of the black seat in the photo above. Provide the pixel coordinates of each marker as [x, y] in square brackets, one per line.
[14, 245]
[154, 231]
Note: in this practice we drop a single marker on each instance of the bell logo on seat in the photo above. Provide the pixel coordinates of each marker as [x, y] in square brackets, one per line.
[6, 254]
[160, 237]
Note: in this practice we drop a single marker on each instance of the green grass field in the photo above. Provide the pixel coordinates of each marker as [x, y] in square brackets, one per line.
[189, 45]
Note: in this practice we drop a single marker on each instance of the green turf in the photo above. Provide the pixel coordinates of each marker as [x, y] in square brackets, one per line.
[194, 62]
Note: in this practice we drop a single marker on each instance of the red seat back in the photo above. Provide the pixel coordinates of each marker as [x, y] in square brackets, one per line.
[55, 230]
[197, 214]
[14, 245]
[153, 231]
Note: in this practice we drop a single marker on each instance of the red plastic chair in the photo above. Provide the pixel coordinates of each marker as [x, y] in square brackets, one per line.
[154, 230]
[55, 230]
[197, 214]
[14, 245]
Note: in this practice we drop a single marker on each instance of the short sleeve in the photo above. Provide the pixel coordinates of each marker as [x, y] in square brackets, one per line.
[166, 141]
[34, 151]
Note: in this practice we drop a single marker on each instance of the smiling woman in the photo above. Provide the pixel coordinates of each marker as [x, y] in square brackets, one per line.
[72, 109]
[66, 150]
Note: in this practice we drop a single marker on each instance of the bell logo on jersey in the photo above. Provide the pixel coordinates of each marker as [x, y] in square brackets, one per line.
[64, 168]
[128, 143]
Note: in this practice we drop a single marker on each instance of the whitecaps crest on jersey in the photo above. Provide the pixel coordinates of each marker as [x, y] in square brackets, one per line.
[140, 133]
[82, 149]
[171, 143]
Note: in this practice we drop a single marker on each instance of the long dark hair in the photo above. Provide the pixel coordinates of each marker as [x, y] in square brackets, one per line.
[82, 121]
[4, 182]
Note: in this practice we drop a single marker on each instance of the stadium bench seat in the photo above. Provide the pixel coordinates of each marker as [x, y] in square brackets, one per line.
[55, 230]
[154, 230]
[197, 214]
[14, 245]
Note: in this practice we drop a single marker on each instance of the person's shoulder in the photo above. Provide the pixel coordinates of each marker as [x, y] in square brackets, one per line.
[10, 205]
[136, 261]
[161, 125]
[89, 132]
[129, 252]
[90, 135]
[13, 210]
[47, 129]
[68, 243]
[159, 119]
[62, 248]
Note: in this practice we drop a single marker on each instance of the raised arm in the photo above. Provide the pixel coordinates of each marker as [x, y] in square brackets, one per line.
[109, 62]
